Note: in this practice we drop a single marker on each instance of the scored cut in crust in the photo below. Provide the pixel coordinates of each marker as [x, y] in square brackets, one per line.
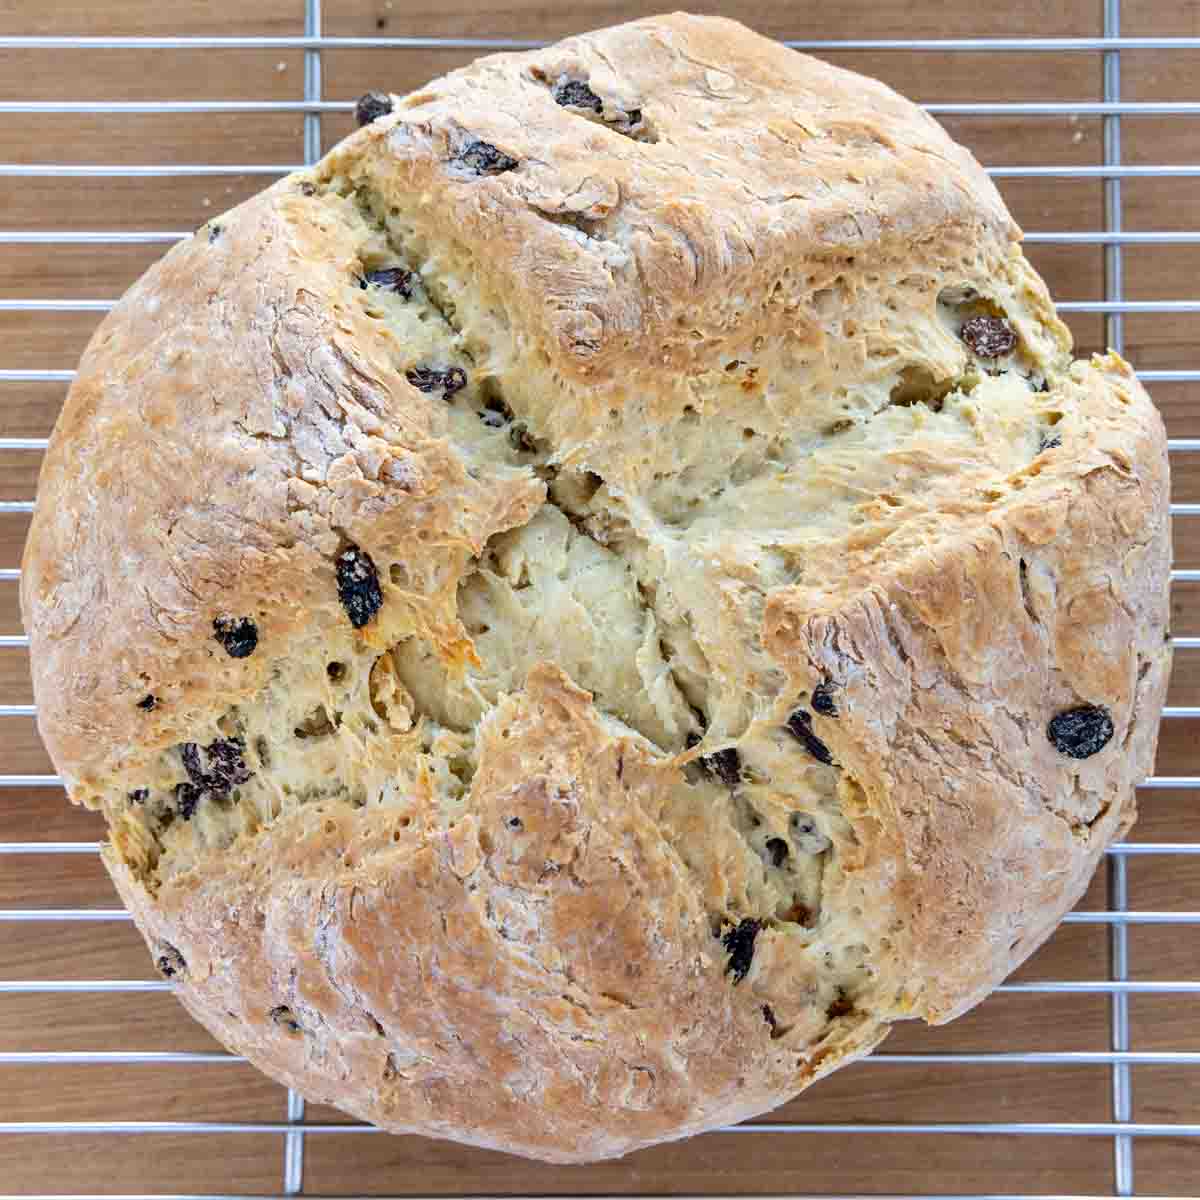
[593, 600]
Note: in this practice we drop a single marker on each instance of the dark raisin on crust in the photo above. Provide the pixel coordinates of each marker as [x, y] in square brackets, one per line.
[391, 279]
[514, 823]
[358, 585]
[431, 379]
[777, 848]
[371, 106]
[495, 414]
[842, 1004]
[307, 188]
[574, 93]
[454, 379]
[192, 762]
[227, 760]
[803, 824]
[214, 232]
[139, 795]
[520, 440]
[286, 1019]
[738, 941]
[213, 772]
[799, 725]
[170, 962]
[220, 766]
[485, 159]
[988, 337]
[724, 765]
[769, 1016]
[187, 798]
[239, 635]
[1081, 732]
[822, 700]
[147, 703]
[799, 914]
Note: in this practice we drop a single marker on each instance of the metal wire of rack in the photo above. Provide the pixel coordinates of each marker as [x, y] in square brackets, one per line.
[1122, 1130]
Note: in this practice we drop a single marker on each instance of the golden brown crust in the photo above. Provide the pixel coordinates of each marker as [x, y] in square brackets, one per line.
[238, 414]
[977, 834]
[540, 977]
[749, 157]
[718, 321]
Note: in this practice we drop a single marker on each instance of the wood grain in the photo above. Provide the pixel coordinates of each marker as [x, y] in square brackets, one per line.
[869, 1092]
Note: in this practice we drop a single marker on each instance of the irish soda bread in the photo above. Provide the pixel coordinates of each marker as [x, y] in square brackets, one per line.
[592, 601]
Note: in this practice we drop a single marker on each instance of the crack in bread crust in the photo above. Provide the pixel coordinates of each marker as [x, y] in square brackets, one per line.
[646, 702]
[654, 707]
[664, 554]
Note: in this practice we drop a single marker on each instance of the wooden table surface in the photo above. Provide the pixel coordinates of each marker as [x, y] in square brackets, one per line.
[346, 1164]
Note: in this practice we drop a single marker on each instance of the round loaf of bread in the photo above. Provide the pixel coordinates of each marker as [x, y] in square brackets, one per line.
[591, 602]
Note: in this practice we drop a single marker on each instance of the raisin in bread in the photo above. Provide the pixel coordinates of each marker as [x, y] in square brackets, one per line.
[591, 602]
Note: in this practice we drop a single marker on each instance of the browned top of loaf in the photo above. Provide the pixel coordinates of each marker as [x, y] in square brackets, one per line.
[169, 495]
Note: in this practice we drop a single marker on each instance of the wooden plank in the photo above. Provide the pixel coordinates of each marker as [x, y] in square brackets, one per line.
[138, 1092]
[39, 203]
[791, 19]
[10, 617]
[15, 683]
[1165, 1023]
[152, 75]
[65, 950]
[55, 881]
[1177, 747]
[29, 409]
[130, 1022]
[43, 814]
[1179, 404]
[23, 753]
[146, 1163]
[1153, 18]
[13, 528]
[721, 1164]
[1184, 688]
[162, 138]
[150, 18]
[1168, 1167]
[18, 481]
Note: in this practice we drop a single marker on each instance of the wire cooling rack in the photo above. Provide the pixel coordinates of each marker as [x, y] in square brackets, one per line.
[1115, 1137]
